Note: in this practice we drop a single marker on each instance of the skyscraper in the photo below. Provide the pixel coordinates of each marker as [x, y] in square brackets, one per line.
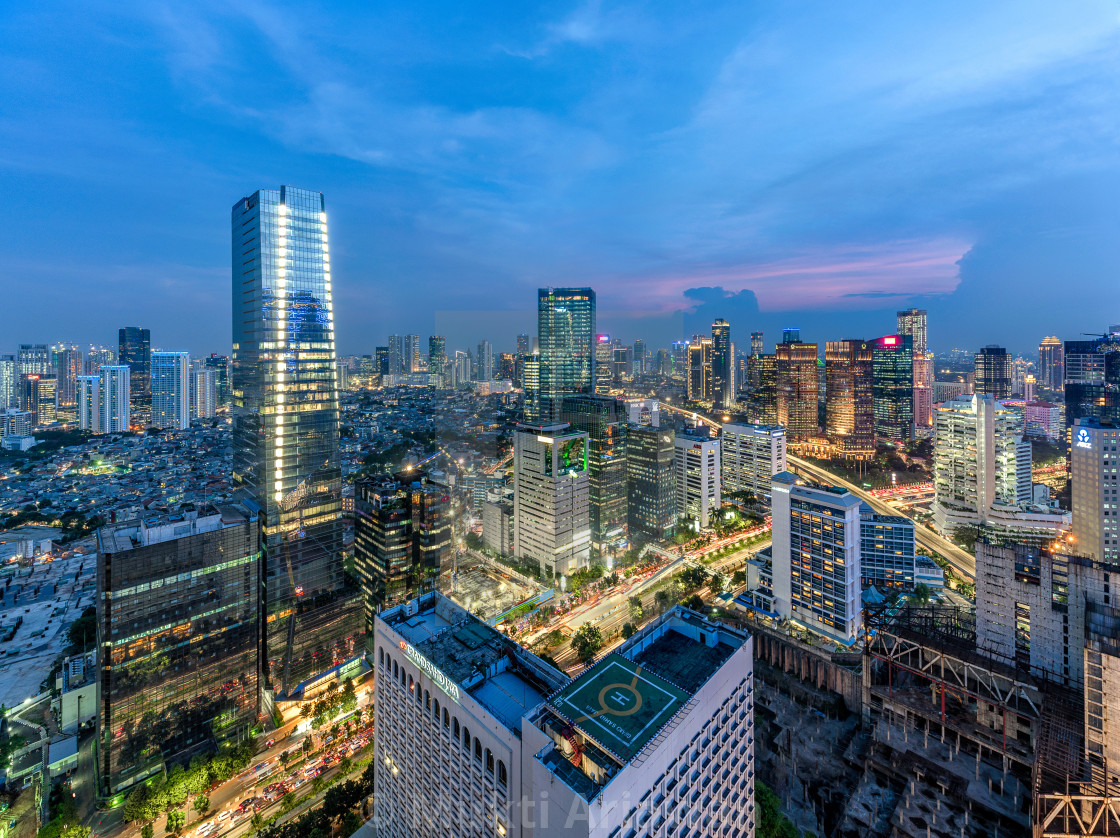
[723, 366]
[993, 372]
[437, 357]
[220, 365]
[69, 363]
[89, 403]
[485, 361]
[171, 390]
[34, 359]
[697, 464]
[566, 325]
[639, 357]
[923, 392]
[204, 391]
[97, 357]
[524, 344]
[38, 395]
[9, 382]
[798, 387]
[285, 433]
[411, 353]
[762, 371]
[1094, 487]
[1092, 379]
[756, 343]
[912, 322]
[134, 348]
[604, 360]
[116, 398]
[397, 360]
[699, 383]
[749, 456]
[1051, 368]
[601, 419]
[849, 399]
[893, 374]
[651, 502]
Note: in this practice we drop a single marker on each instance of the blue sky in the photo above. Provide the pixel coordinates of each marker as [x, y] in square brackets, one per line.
[813, 164]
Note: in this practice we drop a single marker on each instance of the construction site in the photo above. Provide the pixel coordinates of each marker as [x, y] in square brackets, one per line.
[487, 591]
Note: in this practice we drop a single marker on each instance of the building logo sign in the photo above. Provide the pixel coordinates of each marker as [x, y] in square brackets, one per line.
[430, 669]
[1083, 440]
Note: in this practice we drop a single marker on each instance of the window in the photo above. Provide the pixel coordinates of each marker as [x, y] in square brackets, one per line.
[466, 739]
[489, 761]
[478, 750]
[446, 719]
[503, 778]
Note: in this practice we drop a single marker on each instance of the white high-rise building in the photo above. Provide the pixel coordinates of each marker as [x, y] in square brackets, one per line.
[171, 390]
[750, 455]
[982, 471]
[115, 411]
[1094, 482]
[551, 501]
[89, 403]
[697, 464]
[204, 391]
[816, 557]
[9, 382]
[477, 736]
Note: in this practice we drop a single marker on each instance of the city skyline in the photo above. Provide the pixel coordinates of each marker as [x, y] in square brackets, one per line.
[644, 180]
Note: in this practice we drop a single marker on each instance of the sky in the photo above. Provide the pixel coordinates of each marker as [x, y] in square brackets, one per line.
[809, 164]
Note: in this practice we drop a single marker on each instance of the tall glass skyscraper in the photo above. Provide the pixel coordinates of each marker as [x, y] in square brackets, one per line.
[285, 434]
[134, 347]
[566, 325]
[893, 373]
[723, 369]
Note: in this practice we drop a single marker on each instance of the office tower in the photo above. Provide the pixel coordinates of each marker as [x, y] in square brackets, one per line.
[437, 357]
[524, 344]
[17, 423]
[723, 366]
[412, 353]
[893, 390]
[497, 524]
[699, 382]
[531, 385]
[600, 417]
[203, 392]
[798, 388]
[461, 368]
[750, 455]
[756, 343]
[791, 335]
[1092, 379]
[1019, 369]
[762, 407]
[923, 392]
[850, 397]
[285, 434]
[506, 367]
[342, 371]
[912, 322]
[982, 470]
[1051, 366]
[89, 403]
[641, 411]
[679, 354]
[9, 381]
[816, 551]
[220, 365]
[116, 398]
[651, 510]
[604, 360]
[134, 348]
[1030, 388]
[566, 325]
[993, 372]
[69, 363]
[485, 361]
[887, 554]
[639, 357]
[178, 621]
[697, 466]
[402, 538]
[171, 390]
[37, 395]
[97, 357]
[397, 357]
[551, 497]
[1094, 486]
[381, 360]
[520, 749]
[663, 363]
[623, 364]
[34, 359]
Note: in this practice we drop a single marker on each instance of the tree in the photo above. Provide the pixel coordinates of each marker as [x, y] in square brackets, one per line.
[628, 631]
[921, 593]
[147, 831]
[474, 541]
[287, 802]
[82, 634]
[662, 600]
[256, 822]
[694, 602]
[176, 820]
[76, 830]
[587, 641]
[201, 803]
[636, 610]
[738, 579]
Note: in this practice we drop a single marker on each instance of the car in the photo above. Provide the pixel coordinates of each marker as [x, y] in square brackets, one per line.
[270, 743]
[223, 815]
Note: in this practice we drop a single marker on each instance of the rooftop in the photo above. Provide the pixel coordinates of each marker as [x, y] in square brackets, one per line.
[160, 527]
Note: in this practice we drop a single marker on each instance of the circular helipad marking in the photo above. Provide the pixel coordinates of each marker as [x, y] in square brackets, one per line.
[620, 699]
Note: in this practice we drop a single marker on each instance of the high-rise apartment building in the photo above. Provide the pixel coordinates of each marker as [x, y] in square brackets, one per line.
[750, 455]
[178, 621]
[887, 552]
[849, 396]
[551, 497]
[1051, 365]
[97, 357]
[993, 372]
[798, 388]
[756, 343]
[923, 392]
[699, 382]
[69, 363]
[816, 557]
[285, 434]
[524, 344]
[1094, 484]
[89, 403]
[412, 353]
[604, 364]
[600, 417]
[697, 465]
[171, 390]
[485, 362]
[893, 389]
[640, 356]
[1092, 379]
[116, 398]
[651, 501]
[437, 357]
[134, 349]
[203, 391]
[38, 395]
[403, 538]
[477, 736]
[723, 366]
[34, 359]
[9, 382]
[566, 326]
[912, 322]
[396, 356]
[505, 367]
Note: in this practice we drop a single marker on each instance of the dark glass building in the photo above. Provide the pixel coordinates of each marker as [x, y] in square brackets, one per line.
[285, 434]
[403, 539]
[993, 372]
[762, 373]
[135, 349]
[723, 366]
[893, 372]
[177, 614]
[600, 417]
[652, 502]
[566, 326]
[1092, 379]
[220, 365]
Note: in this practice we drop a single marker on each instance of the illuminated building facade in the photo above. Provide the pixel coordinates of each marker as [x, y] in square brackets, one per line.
[993, 372]
[750, 455]
[893, 387]
[651, 509]
[116, 398]
[849, 396]
[1092, 379]
[134, 348]
[912, 322]
[566, 329]
[171, 390]
[697, 464]
[798, 388]
[285, 433]
[723, 366]
[38, 395]
[1051, 364]
[600, 417]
